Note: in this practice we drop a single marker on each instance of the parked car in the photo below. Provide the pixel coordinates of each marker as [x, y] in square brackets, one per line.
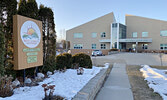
[97, 53]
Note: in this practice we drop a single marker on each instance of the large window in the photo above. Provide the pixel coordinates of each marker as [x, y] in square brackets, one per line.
[103, 46]
[94, 35]
[93, 46]
[144, 34]
[134, 34]
[163, 46]
[163, 33]
[78, 46]
[103, 34]
[78, 35]
[114, 25]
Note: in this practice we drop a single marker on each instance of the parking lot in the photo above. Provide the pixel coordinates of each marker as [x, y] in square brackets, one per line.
[132, 59]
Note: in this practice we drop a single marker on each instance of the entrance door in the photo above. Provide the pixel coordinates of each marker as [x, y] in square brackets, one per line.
[133, 47]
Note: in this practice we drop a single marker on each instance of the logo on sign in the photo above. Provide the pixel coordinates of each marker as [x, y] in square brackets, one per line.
[30, 34]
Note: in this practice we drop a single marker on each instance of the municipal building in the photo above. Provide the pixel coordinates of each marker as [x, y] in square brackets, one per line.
[105, 33]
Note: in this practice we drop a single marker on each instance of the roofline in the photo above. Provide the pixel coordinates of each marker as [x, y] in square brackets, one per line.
[92, 20]
[145, 17]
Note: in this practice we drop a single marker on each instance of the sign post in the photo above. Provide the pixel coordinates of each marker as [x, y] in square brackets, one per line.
[28, 44]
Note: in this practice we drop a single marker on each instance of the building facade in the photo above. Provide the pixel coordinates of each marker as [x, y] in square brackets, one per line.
[104, 33]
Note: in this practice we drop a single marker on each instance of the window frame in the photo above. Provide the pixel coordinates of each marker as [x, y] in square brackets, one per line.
[76, 35]
[162, 34]
[144, 46]
[103, 46]
[78, 46]
[93, 46]
[134, 35]
[103, 34]
[93, 35]
[163, 46]
[144, 35]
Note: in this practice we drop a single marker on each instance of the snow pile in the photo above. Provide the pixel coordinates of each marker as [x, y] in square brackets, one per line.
[156, 79]
[40, 75]
[67, 85]
[15, 83]
[49, 73]
[28, 81]
[106, 65]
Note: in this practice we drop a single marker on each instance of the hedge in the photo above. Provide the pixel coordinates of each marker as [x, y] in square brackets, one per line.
[67, 60]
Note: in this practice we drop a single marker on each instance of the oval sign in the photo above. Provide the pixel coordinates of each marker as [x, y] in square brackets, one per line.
[30, 34]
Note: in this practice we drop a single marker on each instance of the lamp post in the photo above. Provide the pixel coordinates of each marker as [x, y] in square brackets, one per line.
[160, 56]
[136, 46]
[95, 59]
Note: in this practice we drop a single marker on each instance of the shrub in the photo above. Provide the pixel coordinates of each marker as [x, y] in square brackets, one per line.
[68, 62]
[10, 71]
[165, 52]
[61, 61]
[2, 49]
[82, 59]
[5, 86]
[50, 64]
[113, 49]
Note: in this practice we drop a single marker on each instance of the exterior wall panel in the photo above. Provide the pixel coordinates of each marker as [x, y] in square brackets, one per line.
[98, 26]
[152, 26]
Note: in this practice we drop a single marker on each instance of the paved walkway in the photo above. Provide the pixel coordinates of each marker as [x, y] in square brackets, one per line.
[117, 86]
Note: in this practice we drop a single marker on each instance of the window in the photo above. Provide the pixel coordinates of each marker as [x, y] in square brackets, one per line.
[78, 46]
[78, 35]
[163, 33]
[103, 34]
[93, 46]
[163, 46]
[145, 46]
[114, 25]
[144, 34]
[103, 46]
[94, 35]
[134, 34]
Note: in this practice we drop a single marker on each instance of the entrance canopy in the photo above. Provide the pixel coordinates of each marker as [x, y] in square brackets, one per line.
[105, 40]
[136, 40]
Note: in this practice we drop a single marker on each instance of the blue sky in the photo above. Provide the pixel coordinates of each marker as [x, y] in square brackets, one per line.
[71, 13]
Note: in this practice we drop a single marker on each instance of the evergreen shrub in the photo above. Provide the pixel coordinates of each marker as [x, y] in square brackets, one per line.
[82, 59]
[61, 61]
[50, 65]
[68, 60]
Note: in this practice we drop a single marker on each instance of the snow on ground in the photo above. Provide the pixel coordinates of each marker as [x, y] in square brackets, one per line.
[57, 53]
[67, 85]
[156, 79]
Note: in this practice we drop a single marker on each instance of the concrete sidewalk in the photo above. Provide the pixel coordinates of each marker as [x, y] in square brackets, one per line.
[117, 86]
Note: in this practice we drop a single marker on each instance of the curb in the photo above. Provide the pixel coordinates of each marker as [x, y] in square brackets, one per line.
[89, 91]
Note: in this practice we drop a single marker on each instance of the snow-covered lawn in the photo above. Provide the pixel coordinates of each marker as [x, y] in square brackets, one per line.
[67, 85]
[156, 79]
